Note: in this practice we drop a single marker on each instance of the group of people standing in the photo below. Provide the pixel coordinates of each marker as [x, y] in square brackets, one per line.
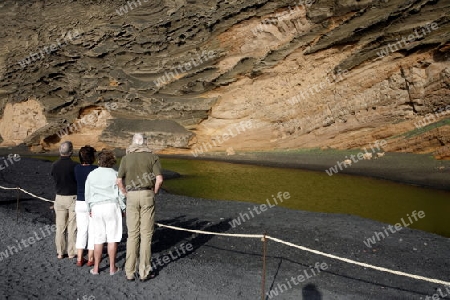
[91, 201]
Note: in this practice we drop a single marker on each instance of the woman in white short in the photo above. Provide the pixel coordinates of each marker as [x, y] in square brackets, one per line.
[84, 231]
[106, 205]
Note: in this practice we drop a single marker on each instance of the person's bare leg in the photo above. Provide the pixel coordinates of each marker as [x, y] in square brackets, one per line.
[98, 249]
[90, 255]
[112, 252]
[80, 255]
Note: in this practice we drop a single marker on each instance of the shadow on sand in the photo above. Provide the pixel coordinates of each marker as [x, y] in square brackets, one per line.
[170, 245]
[310, 292]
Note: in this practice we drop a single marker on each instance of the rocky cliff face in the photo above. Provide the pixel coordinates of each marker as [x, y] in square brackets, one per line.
[232, 75]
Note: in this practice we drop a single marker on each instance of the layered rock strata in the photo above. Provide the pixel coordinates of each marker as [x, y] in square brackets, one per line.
[326, 74]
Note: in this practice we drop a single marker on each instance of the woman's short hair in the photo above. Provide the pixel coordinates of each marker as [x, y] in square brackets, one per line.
[87, 155]
[106, 159]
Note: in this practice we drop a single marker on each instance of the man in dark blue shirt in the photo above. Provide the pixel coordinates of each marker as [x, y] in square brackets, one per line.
[66, 194]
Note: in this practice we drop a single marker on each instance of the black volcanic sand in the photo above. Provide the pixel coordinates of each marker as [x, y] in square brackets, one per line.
[218, 267]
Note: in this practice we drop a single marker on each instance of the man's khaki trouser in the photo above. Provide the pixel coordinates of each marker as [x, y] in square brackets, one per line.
[140, 217]
[65, 222]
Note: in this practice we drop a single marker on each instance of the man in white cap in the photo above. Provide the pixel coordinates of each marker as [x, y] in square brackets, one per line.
[140, 178]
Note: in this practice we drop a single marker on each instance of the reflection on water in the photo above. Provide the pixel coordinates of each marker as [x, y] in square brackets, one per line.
[312, 191]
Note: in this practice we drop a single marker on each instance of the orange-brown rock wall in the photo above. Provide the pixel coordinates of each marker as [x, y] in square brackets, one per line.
[226, 76]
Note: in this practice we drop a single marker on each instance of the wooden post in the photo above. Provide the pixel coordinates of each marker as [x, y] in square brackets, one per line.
[18, 208]
[263, 287]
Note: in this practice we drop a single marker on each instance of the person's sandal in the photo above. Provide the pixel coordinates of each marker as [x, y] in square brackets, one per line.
[92, 272]
[114, 273]
[90, 263]
[152, 275]
[81, 262]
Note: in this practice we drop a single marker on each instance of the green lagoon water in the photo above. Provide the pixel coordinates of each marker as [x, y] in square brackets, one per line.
[375, 199]
[370, 198]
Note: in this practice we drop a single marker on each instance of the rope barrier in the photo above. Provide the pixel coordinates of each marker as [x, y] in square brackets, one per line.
[35, 196]
[254, 236]
[7, 188]
[418, 277]
[263, 237]
[26, 192]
